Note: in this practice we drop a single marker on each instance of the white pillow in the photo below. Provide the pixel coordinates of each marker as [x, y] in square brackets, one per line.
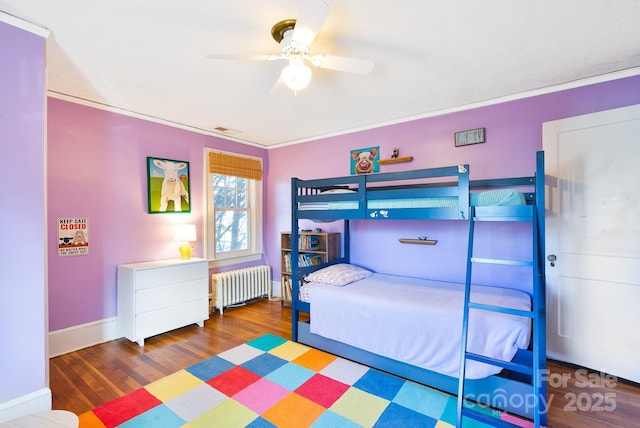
[339, 274]
[338, 191]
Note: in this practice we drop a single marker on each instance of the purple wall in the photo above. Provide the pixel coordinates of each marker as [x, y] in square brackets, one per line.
[97, 169]
[22, 288]
[513, 135]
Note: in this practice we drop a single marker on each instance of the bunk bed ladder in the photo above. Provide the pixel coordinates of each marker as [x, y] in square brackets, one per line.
[534, 368]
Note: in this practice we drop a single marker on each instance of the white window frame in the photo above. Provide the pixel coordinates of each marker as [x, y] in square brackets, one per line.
[255, 251]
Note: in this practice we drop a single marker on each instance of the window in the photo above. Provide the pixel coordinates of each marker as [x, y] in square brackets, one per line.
[234, 208]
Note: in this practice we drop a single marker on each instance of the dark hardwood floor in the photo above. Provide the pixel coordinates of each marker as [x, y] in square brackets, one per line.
[84, 379]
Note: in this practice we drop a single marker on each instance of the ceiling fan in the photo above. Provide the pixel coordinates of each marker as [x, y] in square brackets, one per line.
[295, 37]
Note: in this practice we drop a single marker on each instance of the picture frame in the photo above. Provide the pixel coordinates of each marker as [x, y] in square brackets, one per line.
[472, 136]
[168, 187]
[365, 160]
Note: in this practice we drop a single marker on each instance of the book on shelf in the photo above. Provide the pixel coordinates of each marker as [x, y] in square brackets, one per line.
[304, 260]
[309, 242]
[312, 259]
[306, 242]
[286, 288]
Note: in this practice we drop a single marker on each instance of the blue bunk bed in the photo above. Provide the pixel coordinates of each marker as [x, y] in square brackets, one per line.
[440, 194]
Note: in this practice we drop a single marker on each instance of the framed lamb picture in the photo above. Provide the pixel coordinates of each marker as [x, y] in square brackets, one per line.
[168, 186]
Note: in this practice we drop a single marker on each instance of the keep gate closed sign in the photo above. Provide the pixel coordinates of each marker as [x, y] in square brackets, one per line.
[73, 236]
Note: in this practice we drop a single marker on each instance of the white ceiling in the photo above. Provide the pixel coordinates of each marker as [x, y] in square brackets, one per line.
[148, 58]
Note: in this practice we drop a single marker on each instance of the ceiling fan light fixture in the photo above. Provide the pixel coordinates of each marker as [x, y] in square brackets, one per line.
[296, 75]
[295, 37]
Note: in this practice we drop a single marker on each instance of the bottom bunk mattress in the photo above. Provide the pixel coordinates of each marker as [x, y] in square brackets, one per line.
[419, 321]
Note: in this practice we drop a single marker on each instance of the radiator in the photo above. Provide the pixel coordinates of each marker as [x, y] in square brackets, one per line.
[240, 285]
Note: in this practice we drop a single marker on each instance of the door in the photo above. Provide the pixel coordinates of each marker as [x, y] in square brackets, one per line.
[593, 232]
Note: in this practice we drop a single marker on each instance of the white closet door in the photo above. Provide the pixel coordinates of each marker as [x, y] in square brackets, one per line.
[593, 231]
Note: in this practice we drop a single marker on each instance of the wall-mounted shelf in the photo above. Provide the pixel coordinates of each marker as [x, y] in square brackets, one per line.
[418, 241]
[395, 160]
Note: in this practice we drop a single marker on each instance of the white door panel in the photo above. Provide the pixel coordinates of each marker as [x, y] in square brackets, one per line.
[612, 303]
[593, 228]
[624, 270]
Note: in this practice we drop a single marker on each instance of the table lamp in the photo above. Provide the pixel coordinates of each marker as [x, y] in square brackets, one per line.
[185, 233]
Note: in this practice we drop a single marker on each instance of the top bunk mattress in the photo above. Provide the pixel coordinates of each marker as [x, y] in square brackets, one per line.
[419, 321]
[503, 197]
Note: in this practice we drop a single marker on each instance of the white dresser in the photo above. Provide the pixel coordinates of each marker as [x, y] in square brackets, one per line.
[159, 296]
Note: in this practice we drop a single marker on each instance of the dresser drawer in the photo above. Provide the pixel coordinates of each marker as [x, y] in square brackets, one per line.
[148, 278]
[150, 299]
[167, 319]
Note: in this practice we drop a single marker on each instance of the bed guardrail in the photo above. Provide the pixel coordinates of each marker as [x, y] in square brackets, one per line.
[350, 195]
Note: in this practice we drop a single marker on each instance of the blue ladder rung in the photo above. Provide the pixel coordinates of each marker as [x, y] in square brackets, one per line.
[500, 309]
[487, 419]
[516, 367]
[501, 261]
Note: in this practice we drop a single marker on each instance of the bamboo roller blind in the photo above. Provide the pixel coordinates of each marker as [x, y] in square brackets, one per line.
[237, 166]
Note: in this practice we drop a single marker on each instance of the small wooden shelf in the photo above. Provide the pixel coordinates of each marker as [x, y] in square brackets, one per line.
[317, 246]
[395, 160]
[418, 241]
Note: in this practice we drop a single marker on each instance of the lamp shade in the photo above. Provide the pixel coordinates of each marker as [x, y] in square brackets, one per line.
[184, 232]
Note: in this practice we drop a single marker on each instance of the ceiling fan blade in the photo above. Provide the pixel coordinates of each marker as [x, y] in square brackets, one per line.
[343, 63]
[278, 86]
[310, 18]
[250, 57]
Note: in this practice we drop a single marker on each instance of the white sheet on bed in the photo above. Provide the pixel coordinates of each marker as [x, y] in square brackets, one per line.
[420, 321]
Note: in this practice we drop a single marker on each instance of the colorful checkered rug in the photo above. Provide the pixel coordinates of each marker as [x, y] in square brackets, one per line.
[271, 381]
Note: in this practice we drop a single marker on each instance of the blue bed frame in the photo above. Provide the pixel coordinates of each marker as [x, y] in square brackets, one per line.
[528, 388]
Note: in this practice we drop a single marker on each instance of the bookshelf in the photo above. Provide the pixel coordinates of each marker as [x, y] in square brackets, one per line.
[313, 248]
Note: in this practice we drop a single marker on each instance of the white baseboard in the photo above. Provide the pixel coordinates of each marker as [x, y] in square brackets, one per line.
[276, 290]
[81, 336]
[34, 402]
[84, 335]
